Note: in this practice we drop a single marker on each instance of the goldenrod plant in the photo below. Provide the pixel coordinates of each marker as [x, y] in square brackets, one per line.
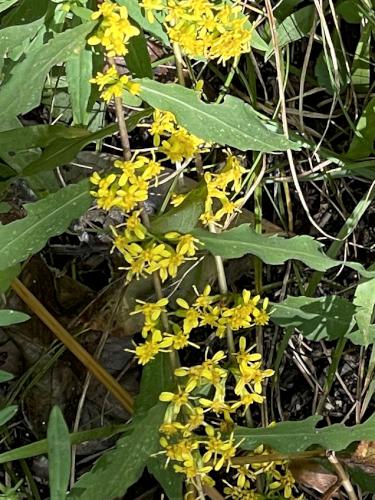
[197, 152]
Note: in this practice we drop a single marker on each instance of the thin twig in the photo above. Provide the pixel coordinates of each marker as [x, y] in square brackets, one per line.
[340, 471]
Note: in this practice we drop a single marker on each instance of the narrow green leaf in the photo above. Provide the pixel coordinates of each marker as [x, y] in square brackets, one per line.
[364, 301]
[365, 480]
[7, 276]
[360, 69]
[14, 35]
[5, 4]
[59, 454]
[36, 65]
[41, 447]
[121, 467]
[45, 218]
[317, 319]
[78, 74]
[62, 151]
[294, 437]
[273, 250]
[293, 28]
[138, 58]
[10, 317]
[285, 8]
[5, 376]
[348, 9]
[7, 413]
[362, 144]
[232, 123]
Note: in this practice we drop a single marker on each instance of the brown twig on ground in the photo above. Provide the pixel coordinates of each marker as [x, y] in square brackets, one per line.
[75, 347]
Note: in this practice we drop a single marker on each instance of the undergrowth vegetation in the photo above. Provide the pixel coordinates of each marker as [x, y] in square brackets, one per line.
[187, 232]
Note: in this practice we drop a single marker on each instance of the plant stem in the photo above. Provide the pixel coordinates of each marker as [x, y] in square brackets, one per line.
[340, 471]
[223, 287]
[275, 457]
[331, 374]
[179, 64]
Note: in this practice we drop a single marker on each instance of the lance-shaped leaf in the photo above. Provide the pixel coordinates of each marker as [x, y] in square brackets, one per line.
[10, 317]
[233, 123]
[22, 92]
[273, 250]
[294, 437]
[59, 454]
[45, 218]
[364, 300]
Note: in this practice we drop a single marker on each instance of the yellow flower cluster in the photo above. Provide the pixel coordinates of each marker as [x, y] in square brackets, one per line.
[204, 28]
[179, 144]
[189, 436]
[213, 311]
[114, 84]
[115, 29]
[219, 186]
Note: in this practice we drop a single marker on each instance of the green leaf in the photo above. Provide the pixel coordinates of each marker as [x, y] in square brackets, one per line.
[121, 467]
[78, 74]
[138, 58]
[285, 8]
[360, 69]
[7, 276]
[362, 144]
[365, 480]
[5, 4]
[7, 413]
[317, 319]
[45, 218]
[273, 250]
[14, 35]
[170, 481]
[293, 28]
[294, 437]
[182, 218]
[324, 69]
[357, 337]
[348, 9]
[5, 376]
[10, 317]
[232, 123]
[62, 151]
[36, 66]
[364, 301]
[135, 12]
[59, 454]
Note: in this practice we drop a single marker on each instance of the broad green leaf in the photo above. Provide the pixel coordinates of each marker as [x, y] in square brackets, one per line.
[7, 413]
[365, 480]
[156, 378]
[325, 318]
[293, 28]
[135, 12]
[182, 218]
[78, 74]
[36, 65]
[257, 41]
[348, 9]
[138, 58]
[360, 70]
[62, 151]
[364, 301]
[324, 69]
[5, 376]
[7, 276]
[122, 466]
[25, 12]
[357, 337]
[45, 218]
[170, 481]
[294, 437]
[362, 144]
[273, 250]
[59, 454]
[233, 123]
[10, 317]
[14, 35]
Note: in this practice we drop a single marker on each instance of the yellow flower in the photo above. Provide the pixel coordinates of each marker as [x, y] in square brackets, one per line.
[164, 123]
[114, 30]
[243, 356]
[114, 84]
[148, 350]
[186, 243]
[181, 145]
[261, 317]
[177, 400]
[150, 5]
